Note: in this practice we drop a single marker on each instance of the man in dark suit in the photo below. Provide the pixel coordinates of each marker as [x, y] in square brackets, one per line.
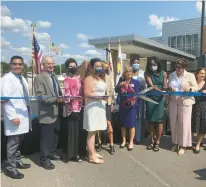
[46, 85]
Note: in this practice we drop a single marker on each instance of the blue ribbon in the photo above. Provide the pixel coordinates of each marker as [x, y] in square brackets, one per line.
[155, 93]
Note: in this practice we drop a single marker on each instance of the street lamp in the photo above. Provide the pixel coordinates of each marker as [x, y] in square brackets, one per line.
[202, 27]
[202, 56]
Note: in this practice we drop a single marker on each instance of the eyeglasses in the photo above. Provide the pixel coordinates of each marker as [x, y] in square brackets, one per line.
[50, 64]
[178, 67]
[15, 64]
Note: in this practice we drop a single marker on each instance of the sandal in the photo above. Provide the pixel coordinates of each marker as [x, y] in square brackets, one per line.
[156, 147]
[150, 146]
[96, 161]
[99, 156]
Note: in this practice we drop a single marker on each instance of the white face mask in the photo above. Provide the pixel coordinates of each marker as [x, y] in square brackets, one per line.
[154, 68]
[135, 77]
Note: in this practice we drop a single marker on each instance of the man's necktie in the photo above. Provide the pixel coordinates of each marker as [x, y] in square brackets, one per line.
[54, 82]
[28, 104]
[25, 92]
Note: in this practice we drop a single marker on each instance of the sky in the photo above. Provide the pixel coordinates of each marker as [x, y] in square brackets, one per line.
[71, 24]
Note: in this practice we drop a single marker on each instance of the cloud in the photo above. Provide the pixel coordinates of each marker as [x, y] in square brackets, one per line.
[5, 43]
[82, 37]
[5, 11]
[92, 52]
[77, 57]
[156, 21]
[63, 46]
[86, 45]
[7, 23]
[23, 50]
[44, 24]
[199, 6]
[22, 26]
[42, 37]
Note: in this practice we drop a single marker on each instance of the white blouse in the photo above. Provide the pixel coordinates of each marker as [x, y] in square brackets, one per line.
[176, 82]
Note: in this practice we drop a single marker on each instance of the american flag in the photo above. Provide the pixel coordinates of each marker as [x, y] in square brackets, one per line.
[36, 54]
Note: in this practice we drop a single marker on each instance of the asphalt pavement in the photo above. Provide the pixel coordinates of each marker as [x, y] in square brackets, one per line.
[138, 168]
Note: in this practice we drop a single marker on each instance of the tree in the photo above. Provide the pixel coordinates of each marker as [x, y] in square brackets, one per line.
[5, 67]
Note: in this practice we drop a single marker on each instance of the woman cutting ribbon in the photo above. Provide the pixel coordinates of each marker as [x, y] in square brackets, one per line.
[128, 105]
[73, 87]
[180, 108]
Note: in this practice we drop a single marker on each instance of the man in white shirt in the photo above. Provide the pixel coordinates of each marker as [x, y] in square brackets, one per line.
[17, 115]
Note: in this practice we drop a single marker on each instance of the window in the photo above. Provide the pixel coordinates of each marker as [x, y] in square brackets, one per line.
[183, 45]
[179, 42]
[173, 41]
[195, 44]
[195, 38]
[188, 45]
[169, 43]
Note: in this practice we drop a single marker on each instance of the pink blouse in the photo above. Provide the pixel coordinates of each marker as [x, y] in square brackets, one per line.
[73, 86]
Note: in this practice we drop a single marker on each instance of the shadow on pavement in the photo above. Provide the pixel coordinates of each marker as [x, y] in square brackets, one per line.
[201, 173]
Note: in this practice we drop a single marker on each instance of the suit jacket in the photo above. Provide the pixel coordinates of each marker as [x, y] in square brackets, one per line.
[14, 108]
[188, 81]
[48, 109]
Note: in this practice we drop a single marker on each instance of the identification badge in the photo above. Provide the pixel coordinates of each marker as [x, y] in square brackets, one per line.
[55, 107]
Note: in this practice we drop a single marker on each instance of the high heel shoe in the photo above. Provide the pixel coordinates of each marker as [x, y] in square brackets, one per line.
[111, 151]
[122, 145]
[99, 148]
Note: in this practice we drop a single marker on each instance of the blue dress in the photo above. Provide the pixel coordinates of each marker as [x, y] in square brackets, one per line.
[128, 112]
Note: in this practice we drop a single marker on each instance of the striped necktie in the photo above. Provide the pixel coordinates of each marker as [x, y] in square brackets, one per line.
[54, 82]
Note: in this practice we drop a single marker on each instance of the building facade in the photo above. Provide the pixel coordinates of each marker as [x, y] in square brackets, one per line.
[184, 35]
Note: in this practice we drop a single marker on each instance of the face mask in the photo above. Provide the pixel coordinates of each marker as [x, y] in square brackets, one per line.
[135, 67]
[106, 71]
[135, 77]
[98, 70]
[154, 68]
[72, 70]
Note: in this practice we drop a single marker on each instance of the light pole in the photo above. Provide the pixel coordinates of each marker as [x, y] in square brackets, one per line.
[202, 27]
[33, 26]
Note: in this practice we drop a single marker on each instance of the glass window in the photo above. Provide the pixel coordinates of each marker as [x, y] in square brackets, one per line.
[183, 44]
[188, 39]
[195, 38]
[173, 41]
[179, 42]
[169, 43]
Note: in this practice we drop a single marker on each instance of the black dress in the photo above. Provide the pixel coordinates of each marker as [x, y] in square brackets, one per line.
[199, 114]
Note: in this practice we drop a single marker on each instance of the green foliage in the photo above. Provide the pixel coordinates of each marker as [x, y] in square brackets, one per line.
[5, 67]
[57, 69]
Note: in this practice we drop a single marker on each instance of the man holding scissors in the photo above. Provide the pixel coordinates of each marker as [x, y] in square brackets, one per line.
[46, 85]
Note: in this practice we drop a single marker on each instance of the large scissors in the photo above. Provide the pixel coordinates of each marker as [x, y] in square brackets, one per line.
[144, 97]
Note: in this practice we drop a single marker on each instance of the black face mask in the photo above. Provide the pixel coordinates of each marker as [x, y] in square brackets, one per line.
[72, 70]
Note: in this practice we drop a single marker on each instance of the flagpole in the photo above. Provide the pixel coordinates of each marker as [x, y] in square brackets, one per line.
[49, 45]
[32, 74]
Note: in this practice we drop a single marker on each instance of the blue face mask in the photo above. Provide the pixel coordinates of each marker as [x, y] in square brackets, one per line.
[135, 67]
[98, 70]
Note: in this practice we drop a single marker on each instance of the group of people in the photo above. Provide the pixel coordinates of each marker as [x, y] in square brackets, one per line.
[84, 109]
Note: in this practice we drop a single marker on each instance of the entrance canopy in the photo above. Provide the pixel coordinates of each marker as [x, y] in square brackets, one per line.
[132, 44]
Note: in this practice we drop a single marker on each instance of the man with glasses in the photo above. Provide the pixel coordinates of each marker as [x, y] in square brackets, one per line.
[46, 85]
[17, 115]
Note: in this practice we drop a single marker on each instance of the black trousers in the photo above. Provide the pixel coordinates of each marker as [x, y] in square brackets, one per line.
[73, 136]
[49, 139]
[13, 151]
